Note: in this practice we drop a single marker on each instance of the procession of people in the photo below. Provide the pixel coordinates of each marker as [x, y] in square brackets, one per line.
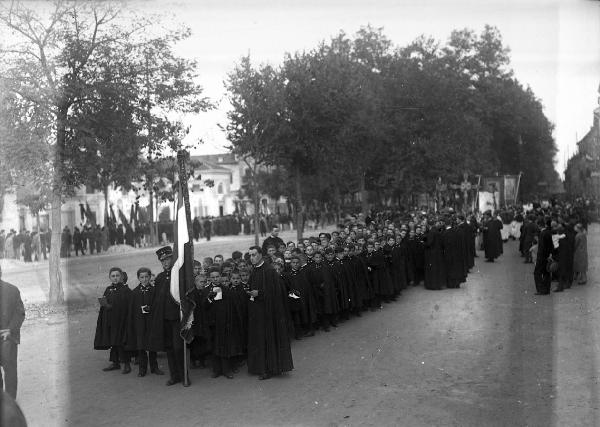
[250, 306]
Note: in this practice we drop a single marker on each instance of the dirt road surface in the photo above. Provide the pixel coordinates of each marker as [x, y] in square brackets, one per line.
[489, 354]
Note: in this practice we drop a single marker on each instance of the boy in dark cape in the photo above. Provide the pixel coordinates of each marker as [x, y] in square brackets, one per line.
[323, 280]
[111, 326]
[224, 325]
[138, 323]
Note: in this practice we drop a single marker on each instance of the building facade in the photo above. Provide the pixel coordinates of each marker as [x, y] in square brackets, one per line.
[582, 176]
[224, 197]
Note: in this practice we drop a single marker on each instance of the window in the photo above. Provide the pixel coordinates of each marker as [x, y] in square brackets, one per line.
[220, 188]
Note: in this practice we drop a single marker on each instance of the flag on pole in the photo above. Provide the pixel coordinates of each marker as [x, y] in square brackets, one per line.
[182, 272]
[89, 215]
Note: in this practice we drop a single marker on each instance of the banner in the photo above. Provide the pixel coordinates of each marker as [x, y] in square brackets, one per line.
[510, 189]
[182, 273]
[489, 201]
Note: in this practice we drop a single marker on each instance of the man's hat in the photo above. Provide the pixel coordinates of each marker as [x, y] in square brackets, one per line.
[164, 253]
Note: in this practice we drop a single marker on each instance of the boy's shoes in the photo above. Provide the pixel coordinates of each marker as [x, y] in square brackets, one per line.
[126, 368]
[214, 375]
[157, 371]
[264, 377]
[228, 376]
[142, 374]
[112, 367]
[173, 381]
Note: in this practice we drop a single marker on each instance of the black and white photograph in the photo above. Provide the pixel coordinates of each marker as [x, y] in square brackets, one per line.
[299, 213]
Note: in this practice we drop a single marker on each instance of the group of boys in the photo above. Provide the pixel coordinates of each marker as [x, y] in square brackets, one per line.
[300, 288]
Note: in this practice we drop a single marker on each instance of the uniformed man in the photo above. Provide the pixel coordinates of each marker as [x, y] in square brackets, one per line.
[165, 323]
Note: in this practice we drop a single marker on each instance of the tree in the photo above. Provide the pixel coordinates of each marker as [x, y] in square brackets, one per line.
[254, 122]
[58, 67]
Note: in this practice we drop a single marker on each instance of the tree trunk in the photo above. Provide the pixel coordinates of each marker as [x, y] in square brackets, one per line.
[256, 200]
[299, 206]
[155, 224]
[106, 216]
[363, 194]
[153, 240]
[55, 293]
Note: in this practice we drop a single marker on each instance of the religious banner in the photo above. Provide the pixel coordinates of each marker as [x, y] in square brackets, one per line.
[489, 201]
[510, 189]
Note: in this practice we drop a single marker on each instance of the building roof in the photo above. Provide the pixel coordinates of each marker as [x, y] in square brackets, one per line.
[215, 159]
[205, 166]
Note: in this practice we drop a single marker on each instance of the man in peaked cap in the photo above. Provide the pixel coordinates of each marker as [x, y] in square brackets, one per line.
[165, 323]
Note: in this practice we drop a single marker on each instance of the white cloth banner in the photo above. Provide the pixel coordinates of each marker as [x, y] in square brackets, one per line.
[486, 201]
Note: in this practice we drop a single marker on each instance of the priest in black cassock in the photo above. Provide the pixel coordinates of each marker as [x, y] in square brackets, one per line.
[269, 351]
[435, 271]
[492, 239]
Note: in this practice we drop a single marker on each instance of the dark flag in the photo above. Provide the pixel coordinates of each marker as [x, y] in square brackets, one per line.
[132, 217]
[113, 217]
[182, 273]
[89, 215]
[124, 219]
[82, 212]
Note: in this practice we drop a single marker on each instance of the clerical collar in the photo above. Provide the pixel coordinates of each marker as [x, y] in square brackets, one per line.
[260, 264]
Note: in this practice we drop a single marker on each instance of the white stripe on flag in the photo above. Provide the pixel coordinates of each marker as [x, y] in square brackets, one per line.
[181, 239]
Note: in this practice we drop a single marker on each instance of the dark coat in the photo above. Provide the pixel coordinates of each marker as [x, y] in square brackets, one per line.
[361, 272]
[138, 323]
[379, 274]
[323, 279]
[492, 239]
[435, 271]
[12, 311]
[164, 308]
[111, 327]
[269, 350]
[299, 282]
[226, 325]
[452, 242]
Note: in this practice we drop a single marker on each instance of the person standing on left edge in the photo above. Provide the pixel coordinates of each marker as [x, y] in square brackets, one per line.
[165, 323]
[12, 315]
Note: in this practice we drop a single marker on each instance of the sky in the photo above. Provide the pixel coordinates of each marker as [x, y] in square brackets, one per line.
[555, 45]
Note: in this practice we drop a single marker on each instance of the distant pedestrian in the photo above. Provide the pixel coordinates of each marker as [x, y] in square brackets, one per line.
[66, 241]
[580, 259]
[207, 229]
[2, 242]
[196, 228]
[105, 238]
[36, 246]
[77, 242]
[98, 239]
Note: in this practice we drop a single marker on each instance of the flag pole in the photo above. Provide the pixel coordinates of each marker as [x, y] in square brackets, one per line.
[517, 190]
[183, 187]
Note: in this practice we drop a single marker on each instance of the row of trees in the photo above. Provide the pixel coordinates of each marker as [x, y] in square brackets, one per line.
[361, 115]
[88, 92]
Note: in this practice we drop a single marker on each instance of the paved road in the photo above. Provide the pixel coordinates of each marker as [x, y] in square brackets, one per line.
[489, 354]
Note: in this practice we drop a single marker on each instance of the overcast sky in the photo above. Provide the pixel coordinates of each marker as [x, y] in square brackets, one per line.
[555, 45]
